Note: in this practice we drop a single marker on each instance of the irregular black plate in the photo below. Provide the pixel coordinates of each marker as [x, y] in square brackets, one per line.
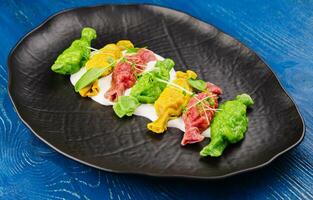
[90, 133]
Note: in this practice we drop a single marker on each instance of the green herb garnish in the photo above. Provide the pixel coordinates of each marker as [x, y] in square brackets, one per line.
[197, 84]
[91, 76]
[110, 60]
[132, 50]
[123, 60]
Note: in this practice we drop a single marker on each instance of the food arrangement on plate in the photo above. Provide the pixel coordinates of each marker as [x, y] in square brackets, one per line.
[136, 81]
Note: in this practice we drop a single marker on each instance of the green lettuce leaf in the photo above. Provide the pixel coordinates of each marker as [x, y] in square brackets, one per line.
[89, 77]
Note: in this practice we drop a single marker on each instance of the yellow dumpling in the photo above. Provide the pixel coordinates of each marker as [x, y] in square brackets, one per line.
[171, 101]
[124, 44]
[112, 49]
[90, 90]
[101, 61]
[104, 58]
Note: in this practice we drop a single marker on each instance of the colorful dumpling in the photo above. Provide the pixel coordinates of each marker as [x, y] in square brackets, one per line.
[74, 57]
[229, 125]
[172, 100]
[90, 90]
[199, 113]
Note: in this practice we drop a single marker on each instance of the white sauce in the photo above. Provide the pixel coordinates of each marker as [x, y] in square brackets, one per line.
[144, 110]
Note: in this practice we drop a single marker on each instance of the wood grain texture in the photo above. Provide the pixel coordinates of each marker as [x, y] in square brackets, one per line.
[280, 32]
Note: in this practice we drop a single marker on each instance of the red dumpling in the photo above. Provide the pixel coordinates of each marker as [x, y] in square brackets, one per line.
[123, 78]
[198, 116]
[124, 73]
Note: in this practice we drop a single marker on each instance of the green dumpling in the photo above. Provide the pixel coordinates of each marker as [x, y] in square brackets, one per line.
[74, 57]
[228, 126]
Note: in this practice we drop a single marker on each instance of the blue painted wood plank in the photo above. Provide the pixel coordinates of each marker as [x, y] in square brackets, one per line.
[280, 32]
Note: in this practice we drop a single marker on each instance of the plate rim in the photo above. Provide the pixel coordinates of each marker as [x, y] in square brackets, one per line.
[155, 175]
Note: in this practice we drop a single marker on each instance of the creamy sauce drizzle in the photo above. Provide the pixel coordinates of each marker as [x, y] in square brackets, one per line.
[144, 110]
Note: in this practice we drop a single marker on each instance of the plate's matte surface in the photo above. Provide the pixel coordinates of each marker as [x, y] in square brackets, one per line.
[89, 132]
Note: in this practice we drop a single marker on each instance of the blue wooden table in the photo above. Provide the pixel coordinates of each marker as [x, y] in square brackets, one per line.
[281, 32]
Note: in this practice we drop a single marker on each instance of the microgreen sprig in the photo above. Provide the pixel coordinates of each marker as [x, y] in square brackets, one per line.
[175, 85]
[94, 49]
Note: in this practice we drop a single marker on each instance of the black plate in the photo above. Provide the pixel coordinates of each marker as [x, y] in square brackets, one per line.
[90, 133]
